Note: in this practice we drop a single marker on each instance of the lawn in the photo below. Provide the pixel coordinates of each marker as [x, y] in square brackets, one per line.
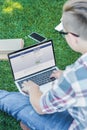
[18, 18]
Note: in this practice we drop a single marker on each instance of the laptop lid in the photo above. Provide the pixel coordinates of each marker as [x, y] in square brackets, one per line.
[32, 59]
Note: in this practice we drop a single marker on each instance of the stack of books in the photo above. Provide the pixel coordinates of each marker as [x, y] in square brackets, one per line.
[8, 46]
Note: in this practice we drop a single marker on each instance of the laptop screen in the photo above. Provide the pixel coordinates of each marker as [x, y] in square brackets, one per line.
[32, 59]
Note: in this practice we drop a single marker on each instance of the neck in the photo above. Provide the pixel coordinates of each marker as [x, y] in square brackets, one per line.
[82, 46]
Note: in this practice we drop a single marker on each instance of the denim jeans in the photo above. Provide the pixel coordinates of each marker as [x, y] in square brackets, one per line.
[18, 106]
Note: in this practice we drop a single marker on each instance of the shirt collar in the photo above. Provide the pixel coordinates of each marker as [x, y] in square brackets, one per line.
[83, 59]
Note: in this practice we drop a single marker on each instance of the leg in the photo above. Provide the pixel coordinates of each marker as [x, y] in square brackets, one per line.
[6, 100]
[19, 107]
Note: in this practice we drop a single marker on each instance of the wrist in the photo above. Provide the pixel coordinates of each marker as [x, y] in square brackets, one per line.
[34, 90]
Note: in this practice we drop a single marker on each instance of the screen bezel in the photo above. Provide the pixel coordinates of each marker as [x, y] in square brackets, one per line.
[30, 48]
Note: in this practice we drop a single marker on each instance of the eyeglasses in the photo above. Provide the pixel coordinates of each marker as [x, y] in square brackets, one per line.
[66, 33]
[60, 28]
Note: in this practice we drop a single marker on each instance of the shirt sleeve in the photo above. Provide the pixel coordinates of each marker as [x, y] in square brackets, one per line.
[60, 97]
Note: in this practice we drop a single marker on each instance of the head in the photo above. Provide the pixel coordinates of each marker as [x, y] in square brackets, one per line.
[74, 23]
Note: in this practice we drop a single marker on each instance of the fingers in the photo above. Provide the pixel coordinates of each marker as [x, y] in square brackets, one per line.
[29, 87]
[56, 73]
[25, 83]
[53, 74]
[28, 84]
[26, 87]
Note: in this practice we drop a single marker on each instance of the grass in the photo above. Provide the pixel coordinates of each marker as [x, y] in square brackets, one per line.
[18, 18]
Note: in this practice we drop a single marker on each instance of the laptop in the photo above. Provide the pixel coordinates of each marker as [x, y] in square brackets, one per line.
[35, 63]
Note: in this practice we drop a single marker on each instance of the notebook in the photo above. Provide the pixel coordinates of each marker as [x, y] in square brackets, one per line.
[8, 46]
[34, 63]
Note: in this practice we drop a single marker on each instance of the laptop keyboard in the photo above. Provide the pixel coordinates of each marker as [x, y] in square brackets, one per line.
[40, 79]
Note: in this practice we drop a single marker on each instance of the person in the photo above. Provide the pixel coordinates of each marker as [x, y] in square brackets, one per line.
[64, 106]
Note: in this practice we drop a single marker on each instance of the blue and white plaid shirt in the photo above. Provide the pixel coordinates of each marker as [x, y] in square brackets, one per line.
[70, 93]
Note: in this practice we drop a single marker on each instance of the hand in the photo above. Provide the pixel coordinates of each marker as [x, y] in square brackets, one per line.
[56, 74]
[35, 94]
[29, 87]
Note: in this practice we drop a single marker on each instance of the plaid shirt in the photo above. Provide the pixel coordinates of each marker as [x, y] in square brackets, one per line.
[70, 93]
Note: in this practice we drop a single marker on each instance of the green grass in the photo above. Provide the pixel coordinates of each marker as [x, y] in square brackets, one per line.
[18, 18]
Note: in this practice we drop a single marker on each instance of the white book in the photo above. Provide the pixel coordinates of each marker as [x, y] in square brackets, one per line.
[10, 45]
